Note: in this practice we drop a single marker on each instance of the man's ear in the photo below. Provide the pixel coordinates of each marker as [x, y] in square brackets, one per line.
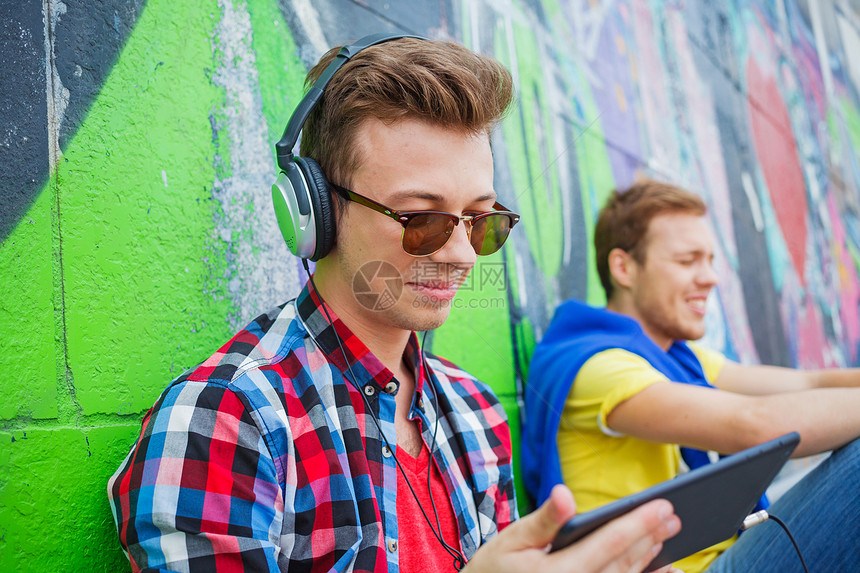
[622, 267]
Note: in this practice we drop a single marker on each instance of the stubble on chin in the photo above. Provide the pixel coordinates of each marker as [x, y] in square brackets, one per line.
[673, 328]
[686, 332]
[420, 314]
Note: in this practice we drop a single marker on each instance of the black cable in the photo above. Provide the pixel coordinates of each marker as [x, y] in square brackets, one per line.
[459, 559]
[791, 537]
[761, 516]
[431, 377]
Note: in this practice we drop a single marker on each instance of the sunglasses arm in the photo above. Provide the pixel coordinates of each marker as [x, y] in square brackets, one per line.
[371, 204]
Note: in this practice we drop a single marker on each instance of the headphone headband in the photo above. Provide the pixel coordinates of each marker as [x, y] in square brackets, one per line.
[284, 147]
[300, 194]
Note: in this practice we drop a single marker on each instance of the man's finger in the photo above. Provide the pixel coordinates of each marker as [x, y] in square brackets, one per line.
[627, 543]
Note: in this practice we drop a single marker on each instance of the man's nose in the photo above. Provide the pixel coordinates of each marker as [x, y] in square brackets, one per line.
[708, 275]
[458, 250]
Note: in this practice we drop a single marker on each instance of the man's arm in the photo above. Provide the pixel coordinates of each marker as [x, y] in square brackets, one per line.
[628, 543]
[727, 422]
[197, 493]
[759, 380]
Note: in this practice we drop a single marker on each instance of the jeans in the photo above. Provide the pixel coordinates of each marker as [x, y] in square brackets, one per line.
[822, 511]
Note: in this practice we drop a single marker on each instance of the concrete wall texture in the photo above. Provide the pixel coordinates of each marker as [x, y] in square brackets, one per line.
[136, 232]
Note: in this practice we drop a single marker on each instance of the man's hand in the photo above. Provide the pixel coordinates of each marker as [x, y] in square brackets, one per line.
[626, 544]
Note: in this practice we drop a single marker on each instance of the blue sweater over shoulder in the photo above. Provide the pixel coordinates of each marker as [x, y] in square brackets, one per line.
[576, 333]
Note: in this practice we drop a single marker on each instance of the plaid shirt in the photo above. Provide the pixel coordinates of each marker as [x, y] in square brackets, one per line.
[265, 457]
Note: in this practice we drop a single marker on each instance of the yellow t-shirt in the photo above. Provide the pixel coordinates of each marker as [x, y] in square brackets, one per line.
[600, 465]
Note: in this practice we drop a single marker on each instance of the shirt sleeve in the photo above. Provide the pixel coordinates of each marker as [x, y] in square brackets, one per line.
[199, 491]
[605, 380]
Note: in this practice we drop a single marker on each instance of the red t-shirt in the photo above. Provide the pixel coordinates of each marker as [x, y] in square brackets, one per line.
[420, 551]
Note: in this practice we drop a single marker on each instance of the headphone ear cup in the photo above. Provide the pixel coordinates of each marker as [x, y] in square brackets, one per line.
[322, 205]
[294, 211]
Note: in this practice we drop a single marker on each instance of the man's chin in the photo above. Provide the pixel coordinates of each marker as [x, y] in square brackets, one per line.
[426, 313]
[692, 333]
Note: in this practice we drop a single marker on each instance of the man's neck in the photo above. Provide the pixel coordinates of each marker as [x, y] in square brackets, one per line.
[385, 342]
[388, 344]
[625, 306]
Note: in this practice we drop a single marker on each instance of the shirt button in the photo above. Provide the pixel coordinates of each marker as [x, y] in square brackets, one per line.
[369, 390]
[391, 387]
[386, 451]
[392, 545]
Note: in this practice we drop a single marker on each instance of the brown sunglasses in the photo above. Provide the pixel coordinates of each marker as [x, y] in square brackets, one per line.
[426, 232]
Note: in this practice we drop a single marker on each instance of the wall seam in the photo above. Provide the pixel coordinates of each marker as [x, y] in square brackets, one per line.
[68, 407]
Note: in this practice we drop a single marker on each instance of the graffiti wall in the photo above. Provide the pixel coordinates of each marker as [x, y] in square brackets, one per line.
[136, 231]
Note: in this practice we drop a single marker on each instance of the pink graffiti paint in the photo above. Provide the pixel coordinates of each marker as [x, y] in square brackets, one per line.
[664, 154]
[776, 150]
[734, 309]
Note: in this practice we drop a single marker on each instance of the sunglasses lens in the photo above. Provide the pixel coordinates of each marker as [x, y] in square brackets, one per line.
[490, 232]
[427, 233]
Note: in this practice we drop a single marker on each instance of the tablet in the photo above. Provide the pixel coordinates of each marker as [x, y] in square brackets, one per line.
[712, 501]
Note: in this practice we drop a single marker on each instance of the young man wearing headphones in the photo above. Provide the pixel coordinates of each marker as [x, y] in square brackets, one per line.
[322, 437]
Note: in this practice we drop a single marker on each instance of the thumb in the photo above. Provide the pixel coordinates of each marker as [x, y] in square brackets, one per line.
[539, 528]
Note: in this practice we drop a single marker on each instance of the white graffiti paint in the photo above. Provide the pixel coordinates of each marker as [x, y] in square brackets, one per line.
[57, 94]
[308, 16]
[752, 197]
[261, 271]
[588, 19]
[849, 30]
